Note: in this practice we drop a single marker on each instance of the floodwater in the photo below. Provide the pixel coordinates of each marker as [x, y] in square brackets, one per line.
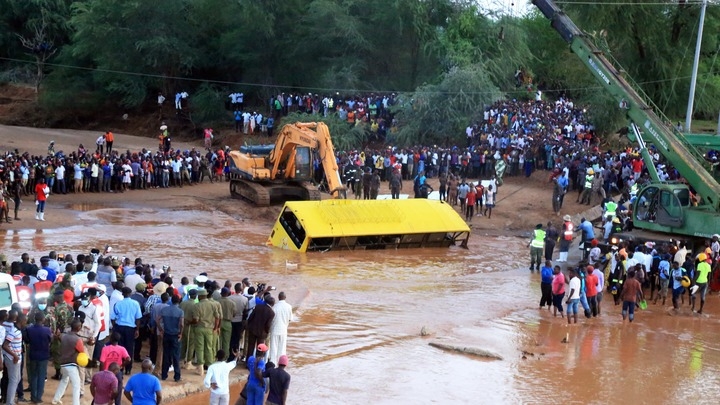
[359, 315]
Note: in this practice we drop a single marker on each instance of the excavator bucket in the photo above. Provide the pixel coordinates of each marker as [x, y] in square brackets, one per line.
[306, 226]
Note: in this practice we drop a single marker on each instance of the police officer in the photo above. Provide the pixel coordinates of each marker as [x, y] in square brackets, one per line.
[204, 322]
[188, 338]
[63, 315]
[536, 245]
[228, 313]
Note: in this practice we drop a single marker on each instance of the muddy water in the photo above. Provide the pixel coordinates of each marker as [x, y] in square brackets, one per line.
[359, 314]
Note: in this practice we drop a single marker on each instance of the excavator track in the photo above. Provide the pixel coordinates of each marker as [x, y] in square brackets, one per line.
[313, 194]
[249, 191]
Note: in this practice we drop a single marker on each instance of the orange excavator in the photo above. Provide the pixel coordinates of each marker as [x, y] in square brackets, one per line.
[273, 174]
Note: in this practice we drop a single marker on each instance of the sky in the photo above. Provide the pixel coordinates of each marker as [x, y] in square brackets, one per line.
[511, 7]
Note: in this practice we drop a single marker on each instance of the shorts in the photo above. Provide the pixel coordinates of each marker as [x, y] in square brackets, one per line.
[558, 301]
[677, 292]
[489, 205]
[598, 297]
[573, 306]
[629, 307]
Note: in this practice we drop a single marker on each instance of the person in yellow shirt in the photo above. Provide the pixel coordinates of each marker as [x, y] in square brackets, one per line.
[702, 273]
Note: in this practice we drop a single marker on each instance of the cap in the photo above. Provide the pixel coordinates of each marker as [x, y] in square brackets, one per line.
[283, 360]
[594, 242]
[140, 287]
[3, 258]
[262, 347]
[224, 291]
[201, 292]
[616, 220]
[42, 275]
[80, 315]
[567, 218]
[160, 288]
[193, 291]
[201, 279]
[84, 295]
[58, 292]
[589, 268]
[115, 263]
[714, 236]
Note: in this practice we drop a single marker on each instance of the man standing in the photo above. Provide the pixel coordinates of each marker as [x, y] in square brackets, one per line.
[90, 329]
[205, 322]
[144, 388]
[12, 348]
[38, 338]
[701, 280]
[536, 245]
[573, 300]
[588, 235]
[600, 287]
[279, 328]
[171, 324]
[241, 306]
[227, 307]
[551, 237]
[632, 290]
[546, 274]
[218, 379]
[188, 338]
[678, 289]
[104, 386]
[279, 383]
[63, 315]
[259, 323]
[591, 289]
[71, 344]
[256, 382]
[558, 290]
[566, 239]
[126, 318]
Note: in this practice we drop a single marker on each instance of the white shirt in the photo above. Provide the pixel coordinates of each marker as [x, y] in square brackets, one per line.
[59, 172]
[246, 117]
[219, 373]
[283, 317]
[100, 140]
[574, 288]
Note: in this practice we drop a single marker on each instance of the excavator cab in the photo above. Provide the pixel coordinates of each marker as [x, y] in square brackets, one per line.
[303, 164]
[662, 204]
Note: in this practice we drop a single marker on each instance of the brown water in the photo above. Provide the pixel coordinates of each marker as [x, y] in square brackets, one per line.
[357, 336]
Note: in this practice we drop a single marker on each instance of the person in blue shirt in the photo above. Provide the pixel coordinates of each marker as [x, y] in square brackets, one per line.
[126, 318]
[588, 234]
[256, 382]
[546, 274]
[144, 388]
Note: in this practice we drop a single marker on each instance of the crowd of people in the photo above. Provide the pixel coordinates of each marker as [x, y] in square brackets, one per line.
[629, 272]
[95, 315]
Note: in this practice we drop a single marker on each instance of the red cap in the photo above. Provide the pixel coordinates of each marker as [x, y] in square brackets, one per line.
[262, 348]
[69, 297]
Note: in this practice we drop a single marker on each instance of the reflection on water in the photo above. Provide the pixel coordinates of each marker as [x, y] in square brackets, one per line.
[359, 315]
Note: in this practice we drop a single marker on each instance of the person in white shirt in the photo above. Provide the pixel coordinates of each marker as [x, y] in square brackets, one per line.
[100, 143]
[574, 296]
[218, 378]
[277, 339]
[60, 177]
[246, 122]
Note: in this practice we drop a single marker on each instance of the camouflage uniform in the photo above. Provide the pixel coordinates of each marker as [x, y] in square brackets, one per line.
[50, 321]
[62, 315]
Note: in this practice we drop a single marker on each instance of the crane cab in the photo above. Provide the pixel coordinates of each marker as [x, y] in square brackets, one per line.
[662, 204]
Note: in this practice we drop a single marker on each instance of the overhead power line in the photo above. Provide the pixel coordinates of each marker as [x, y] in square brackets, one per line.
[323, 89]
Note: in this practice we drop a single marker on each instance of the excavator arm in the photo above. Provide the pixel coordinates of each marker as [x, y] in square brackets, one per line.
[314, 136]
[657, 128]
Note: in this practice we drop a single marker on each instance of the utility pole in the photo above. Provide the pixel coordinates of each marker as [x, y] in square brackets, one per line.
[693, 80]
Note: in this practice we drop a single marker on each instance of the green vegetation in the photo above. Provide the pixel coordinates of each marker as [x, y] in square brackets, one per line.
[445, 58]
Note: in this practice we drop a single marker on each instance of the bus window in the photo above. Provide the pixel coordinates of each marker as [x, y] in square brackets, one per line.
[5, 295]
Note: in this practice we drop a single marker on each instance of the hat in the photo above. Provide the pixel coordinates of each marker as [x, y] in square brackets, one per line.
[262, 348]
[202, 292]
[3, 258]
[80, 315]
[714, 236]
[193, 291]
[160, 288]
[84, 295]
[201, 279]
[594, 242]
[42, 275]
[140, 287]
[567, 218]
[283, 360]
[224, 291]
[115, 263]
[68, 296]
[589, 268]
[58, 292]
[616, 220]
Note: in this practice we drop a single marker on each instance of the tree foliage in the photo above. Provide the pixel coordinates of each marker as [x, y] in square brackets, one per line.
[447, 57]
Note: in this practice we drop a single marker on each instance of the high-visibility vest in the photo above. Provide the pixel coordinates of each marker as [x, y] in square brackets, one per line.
[610, 208]
[538, 238]
[634, 189]
[568, 234]
[330, 103]
[42, 289]
[588, 181]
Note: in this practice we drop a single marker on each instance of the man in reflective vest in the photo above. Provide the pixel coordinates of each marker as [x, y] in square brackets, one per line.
[536, 244]
[610, 209]
[587, 188]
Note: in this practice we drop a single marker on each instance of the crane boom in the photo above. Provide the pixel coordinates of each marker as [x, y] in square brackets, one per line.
[687, 159]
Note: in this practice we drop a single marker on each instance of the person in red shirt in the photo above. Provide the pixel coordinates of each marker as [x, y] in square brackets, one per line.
[591, 285]
[470, 200]
[637, 166]
[41, 193]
